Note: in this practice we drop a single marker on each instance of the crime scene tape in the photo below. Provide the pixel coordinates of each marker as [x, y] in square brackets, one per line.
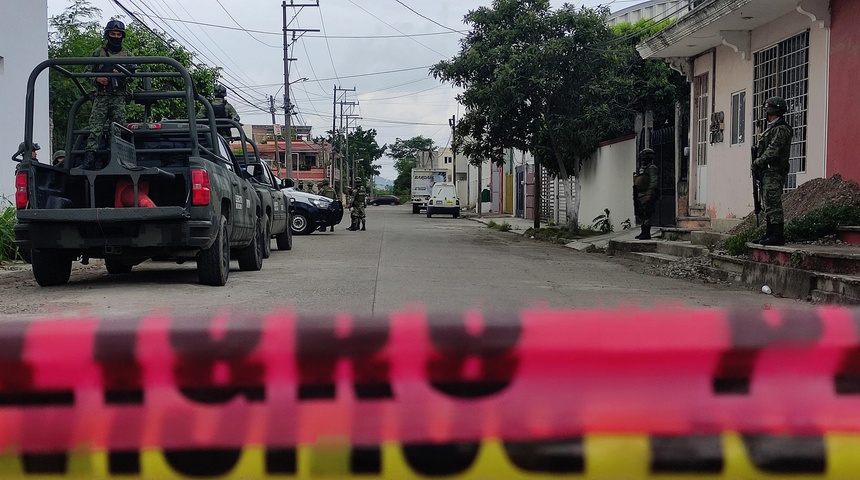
[616, 393]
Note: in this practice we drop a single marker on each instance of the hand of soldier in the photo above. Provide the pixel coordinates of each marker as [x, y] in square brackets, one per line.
[646, 198]
[102, 80]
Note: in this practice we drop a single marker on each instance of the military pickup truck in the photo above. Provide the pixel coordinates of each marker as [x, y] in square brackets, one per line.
[163, 191]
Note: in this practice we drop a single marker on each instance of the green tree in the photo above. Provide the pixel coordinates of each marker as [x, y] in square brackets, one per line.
[78, 32]
[548, 82]
[408, 154]
[364, 150]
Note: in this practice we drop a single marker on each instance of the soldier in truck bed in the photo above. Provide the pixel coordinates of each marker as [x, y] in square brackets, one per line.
[110, 100]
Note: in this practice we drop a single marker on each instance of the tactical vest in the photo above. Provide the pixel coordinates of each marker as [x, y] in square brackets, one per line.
[220, 107]
[120, 82]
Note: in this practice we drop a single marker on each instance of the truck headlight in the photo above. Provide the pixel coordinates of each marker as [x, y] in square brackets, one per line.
[321, 203]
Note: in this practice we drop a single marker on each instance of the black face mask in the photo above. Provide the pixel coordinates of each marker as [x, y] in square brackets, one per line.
[114, 44]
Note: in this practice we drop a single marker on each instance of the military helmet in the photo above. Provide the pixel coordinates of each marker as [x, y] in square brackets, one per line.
[220, 91]
[775, 106]
[358, 181]
[22, 147]
[114, 25]
[646, 153]
[58, 154]
[325, 181]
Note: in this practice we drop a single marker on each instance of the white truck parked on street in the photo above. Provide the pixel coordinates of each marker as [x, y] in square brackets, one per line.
[423, 180]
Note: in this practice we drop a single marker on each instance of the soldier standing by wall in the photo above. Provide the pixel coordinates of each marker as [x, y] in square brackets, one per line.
[110, 100]
[646, 190]
[774, 151]
[356, 207]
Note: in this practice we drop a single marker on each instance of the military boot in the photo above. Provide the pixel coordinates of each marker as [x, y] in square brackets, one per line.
[646, 233]
[352, 226]
[767, 234]
[89, 160]
[777, 238]
[362, 225]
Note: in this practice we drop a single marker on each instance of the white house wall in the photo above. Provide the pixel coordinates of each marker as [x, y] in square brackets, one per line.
[23, 45]
[607, 182]
[729, 185]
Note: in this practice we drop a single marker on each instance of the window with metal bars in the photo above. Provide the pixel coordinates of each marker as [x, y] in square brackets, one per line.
[782, 70]
[700, 90]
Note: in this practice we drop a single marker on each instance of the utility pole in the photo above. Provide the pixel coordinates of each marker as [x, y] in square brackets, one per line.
[337, 132]
[453, 123]
[288, 135]
[353, 168]
[275, 133]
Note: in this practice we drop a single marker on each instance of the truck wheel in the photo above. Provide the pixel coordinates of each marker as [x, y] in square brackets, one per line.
[416, 208]
[284, 239]
[267, 237]
[429, 214]
[300, 224]
[213, 264]
[116, 266]
[51, 267]
[251, 256]
[456, 214]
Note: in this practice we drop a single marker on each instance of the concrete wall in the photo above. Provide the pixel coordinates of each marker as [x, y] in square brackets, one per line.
[843, 141]
[728, 185]
[607, 182]
[23, 45]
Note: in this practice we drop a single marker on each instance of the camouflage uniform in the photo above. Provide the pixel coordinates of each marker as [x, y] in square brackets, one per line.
[222, 109]
[59, 158]
[645, 187]
[327, 191]
[772, 161]
[110, 100]
[356, 206]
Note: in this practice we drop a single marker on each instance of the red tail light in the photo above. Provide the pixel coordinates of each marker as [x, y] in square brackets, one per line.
[200, 192]
[21, 191]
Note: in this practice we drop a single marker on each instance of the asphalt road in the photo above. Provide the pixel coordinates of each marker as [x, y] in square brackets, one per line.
[402, 262]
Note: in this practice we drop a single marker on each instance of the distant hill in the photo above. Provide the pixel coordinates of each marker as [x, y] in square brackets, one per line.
[383, 183]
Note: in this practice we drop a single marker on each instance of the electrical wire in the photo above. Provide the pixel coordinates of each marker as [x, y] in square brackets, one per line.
[396, 29]
[243, 28]
[425, 17]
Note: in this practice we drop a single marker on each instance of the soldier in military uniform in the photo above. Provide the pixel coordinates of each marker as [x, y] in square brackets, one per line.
[356, 206]
[222, 109]
[59, 158]
[773, 151]
[22, 148]
[645, 192]
[327, 191]
[109, 101]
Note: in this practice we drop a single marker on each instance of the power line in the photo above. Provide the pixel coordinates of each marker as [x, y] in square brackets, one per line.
[396, 29]
[243, 28]
[425, 17]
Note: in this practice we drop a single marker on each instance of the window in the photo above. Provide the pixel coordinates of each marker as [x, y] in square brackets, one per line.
[739, 101]
[783, 70]
[700, 91]
[449, 160]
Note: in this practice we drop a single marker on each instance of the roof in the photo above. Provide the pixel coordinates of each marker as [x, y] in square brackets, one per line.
[721, 22]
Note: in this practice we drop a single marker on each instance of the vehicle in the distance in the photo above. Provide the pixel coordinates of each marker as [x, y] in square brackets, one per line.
[384, 200]
[444, 200]
[423, 180]
[311, 211]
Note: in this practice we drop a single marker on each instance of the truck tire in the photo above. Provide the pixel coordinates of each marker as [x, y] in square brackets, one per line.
[116, 266]
[428, 213]
[213, 264]
[301, 224]
[267, 237]
[416, 208]
[51, 267]
[285, 239]
[251, 256]
[457, 214]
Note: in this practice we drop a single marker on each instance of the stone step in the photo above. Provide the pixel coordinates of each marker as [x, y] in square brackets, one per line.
[849, 234]
[675, 234]
[681, 249]
[731, 265]
[653, 257]
[693, 222]
[843, 260]
[707, 238]
[831, 298]
[848, 285]
[620, 247]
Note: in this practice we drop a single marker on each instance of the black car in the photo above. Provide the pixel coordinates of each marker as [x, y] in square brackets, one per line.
[312, 212]
[384, 200]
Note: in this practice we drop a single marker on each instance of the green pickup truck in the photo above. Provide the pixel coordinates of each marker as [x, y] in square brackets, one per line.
[163, 191]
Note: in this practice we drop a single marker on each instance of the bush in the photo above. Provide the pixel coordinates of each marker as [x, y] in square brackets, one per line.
[737, 245]
[503, 227]
[8, 250]
[822, 222]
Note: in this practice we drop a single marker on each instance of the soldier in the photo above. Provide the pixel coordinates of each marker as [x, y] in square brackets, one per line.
[222, 108]
[646, 191]
[59, 158]
[109, 101]
[22, 148]
[327, 190]
[773, 152]
[356, 207]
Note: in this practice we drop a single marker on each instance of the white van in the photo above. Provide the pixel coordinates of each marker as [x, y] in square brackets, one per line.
[443, 199]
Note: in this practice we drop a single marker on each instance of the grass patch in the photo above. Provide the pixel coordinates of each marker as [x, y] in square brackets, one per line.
[502, 227]
[8, 250]
[822, 222]
[560, 234]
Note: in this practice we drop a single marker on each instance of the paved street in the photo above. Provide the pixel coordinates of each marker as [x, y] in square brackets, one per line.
[403, 261]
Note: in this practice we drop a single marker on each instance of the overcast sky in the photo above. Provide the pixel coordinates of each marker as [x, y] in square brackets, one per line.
[382, 48]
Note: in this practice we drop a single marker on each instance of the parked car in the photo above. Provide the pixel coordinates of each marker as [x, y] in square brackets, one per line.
[312, 211]
[443, 199]
[384, 200]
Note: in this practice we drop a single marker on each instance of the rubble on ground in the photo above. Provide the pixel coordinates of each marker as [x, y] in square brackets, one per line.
[690, 268]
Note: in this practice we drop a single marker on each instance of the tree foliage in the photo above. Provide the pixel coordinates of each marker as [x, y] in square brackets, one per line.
[364, 151]
[551, 82]
[78, 32]
[407, 154]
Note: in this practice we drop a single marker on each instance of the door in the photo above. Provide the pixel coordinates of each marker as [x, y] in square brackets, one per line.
[700, 89]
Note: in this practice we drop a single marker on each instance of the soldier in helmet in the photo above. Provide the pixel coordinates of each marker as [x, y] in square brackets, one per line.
[59, 158]
[22, 148]
[356, 207]
[109, 102]
[327, 191]
[646, 189]
[222, 108]
[773, 152]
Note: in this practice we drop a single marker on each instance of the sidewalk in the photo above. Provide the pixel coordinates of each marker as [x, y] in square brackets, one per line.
[520, 225]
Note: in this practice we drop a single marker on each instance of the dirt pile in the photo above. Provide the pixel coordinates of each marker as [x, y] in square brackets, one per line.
[811, 196]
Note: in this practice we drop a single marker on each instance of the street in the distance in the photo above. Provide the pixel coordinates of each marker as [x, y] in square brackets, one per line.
[402, 262]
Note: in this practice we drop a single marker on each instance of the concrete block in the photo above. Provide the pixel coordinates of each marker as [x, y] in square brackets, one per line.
[785, 281]
[681, 249]
[706, 237]
[654, 258]
[723, 225]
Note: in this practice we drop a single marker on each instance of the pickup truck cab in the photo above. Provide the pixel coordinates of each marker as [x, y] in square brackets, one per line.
[166, 191]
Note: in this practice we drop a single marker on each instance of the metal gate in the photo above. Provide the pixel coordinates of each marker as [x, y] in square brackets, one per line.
[663, 144]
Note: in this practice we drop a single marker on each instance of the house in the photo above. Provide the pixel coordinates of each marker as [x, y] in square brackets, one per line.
[738, 53]
[23, 45]
[311, 161]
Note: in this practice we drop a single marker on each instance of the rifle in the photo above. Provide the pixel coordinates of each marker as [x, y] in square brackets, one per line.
[756, 179]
